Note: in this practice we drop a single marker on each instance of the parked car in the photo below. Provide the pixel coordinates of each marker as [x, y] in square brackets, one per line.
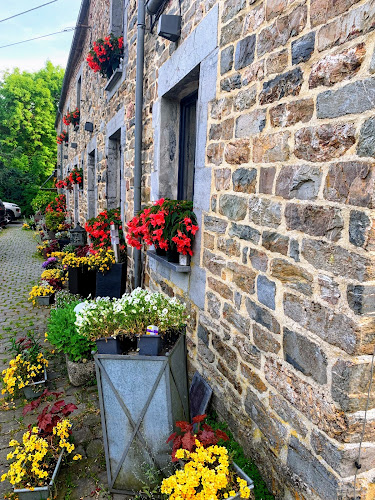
[2, 214]
[13, 211]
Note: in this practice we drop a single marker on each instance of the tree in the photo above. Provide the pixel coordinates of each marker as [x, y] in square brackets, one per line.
[28, 105]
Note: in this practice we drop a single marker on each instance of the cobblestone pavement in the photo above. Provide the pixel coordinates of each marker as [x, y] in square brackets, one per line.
[20, 269]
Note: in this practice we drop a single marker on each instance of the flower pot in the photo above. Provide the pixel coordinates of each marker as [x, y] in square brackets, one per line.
[35, 389]
[143, 393]
[172, 256]
[62, 242]
[51, 235]
[42, 492]
[82, 281]
[149, 345]
[113, 282]
[184, 260]
[80, 373]
[45, 300]
[160, 251]
[109, 345]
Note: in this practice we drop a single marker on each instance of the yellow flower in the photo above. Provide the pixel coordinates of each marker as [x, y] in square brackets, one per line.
[77, 457]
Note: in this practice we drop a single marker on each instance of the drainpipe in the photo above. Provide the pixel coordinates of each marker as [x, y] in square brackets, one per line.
[138, 128]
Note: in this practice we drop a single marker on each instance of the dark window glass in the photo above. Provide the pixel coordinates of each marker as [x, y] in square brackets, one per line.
[188, 130]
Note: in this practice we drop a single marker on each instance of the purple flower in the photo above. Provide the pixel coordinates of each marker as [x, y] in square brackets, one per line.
[50, 262]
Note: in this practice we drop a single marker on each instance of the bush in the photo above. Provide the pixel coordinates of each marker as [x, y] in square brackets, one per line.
[54, 219]
[63, 335]
[63, 298]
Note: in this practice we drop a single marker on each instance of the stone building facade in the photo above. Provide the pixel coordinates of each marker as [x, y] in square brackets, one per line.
[281, 290]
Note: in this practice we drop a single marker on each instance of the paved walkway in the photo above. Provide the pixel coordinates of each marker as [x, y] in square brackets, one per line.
[20, 268]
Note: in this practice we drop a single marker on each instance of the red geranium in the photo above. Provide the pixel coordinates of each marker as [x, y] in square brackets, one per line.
[99, 227]
[57, 205]
[105, 55]
[72, 117]
[63, 137]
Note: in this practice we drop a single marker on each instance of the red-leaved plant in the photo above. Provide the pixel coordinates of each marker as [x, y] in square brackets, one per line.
[204, 433]
[51, 414]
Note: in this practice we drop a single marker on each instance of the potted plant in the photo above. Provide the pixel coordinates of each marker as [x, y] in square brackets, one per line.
[99, 322]
[106, 54]
[35, 461]
[81, 280]
[27, 370]
[42, 294]
[75, 177]
[72, 117]
[54, 277]
[63, 336]
[169, 225]
[53, 220]
[62, 138]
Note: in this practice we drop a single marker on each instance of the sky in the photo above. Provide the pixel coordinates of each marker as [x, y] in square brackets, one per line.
[31, 56]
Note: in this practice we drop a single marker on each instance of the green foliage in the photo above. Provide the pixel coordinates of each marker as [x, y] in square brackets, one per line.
[64, 298]
[54, 219]
[63, 335]
[41, 200]
[28, 104]
[236, 452]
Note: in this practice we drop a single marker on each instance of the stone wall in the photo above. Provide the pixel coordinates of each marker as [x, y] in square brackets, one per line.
[285, 257]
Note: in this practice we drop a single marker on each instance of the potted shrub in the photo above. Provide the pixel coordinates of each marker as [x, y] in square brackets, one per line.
[35, 461]
[53, 220]
[169, 225]
[62, 334]
[105, 55]
[42, 294]
[27, 370]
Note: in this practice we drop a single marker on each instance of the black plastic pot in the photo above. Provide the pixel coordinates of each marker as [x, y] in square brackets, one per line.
[172, 256]
[109, 345]
[82, 281]
[112, 283]
[149, 345]
[62, 242]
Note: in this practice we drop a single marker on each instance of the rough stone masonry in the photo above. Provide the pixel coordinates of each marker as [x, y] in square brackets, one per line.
[285, 328]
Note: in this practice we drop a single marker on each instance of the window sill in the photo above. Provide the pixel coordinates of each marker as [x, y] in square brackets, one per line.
[171, 265]
[117, 74]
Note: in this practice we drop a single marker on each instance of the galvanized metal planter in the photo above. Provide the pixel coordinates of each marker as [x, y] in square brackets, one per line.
[141, 397]
[35, 389]
[43, 492]
[45, 300]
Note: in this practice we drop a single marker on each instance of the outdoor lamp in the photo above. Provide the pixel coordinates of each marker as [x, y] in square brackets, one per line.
[78, 236]
[89, 126]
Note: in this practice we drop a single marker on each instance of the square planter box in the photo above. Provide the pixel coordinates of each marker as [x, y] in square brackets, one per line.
[112, 283]
[62, 242]
[141, 398]
[82, 281]
[43, 492]
[109, 345]
[46, 300]
[34, 390]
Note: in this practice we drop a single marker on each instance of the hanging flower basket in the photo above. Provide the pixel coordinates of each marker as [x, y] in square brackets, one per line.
[63, 137]
[72, 117]
[106, 54]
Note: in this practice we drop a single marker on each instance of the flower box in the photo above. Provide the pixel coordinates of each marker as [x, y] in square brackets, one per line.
[35, 389]
[242, 475]
[42, 492]
[82, 281]
[45, 300]
[113, 282]
[149, 345]
[62, 242]
[80, 373]
[140, 392]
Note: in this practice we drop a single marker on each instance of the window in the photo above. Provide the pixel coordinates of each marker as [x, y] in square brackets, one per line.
[188, 131]
[79, 90]
[113, 178]
[92, 186]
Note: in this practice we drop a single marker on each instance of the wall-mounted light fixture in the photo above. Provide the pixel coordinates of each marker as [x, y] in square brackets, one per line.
[73, 145]
[89, 127]
[169, 27]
